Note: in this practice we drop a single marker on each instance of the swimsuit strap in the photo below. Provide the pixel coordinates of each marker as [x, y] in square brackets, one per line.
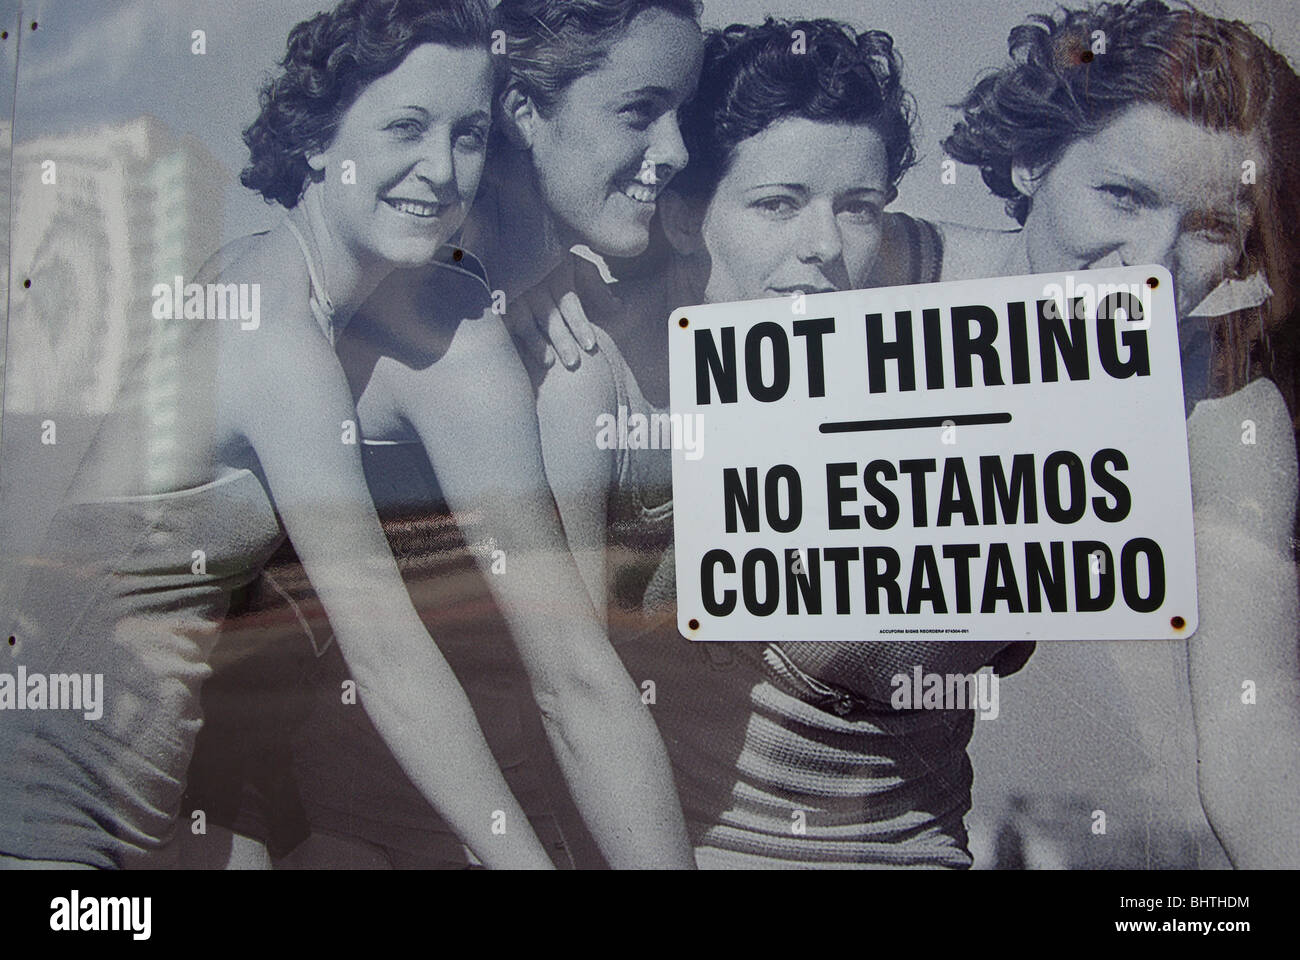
[322, 308]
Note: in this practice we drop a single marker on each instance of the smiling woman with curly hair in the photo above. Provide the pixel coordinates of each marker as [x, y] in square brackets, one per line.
[489, 476]
[330, 60]
[373, 136]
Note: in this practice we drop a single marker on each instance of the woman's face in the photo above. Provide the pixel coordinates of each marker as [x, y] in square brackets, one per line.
[799, 211]
[613, 142]
[1151, 187]
[414, 141]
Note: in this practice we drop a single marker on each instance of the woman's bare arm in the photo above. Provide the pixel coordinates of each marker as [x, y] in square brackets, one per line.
[292, 402]
[1243, 662]
[487, 456]
[580, 473]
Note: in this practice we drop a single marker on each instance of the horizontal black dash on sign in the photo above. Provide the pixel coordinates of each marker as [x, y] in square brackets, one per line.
[912, 423]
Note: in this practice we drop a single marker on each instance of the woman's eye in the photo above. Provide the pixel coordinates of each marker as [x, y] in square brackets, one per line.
[639, 115]
[863, 210]
[1220, 232]
[1217, 227]
[1123, 197]
[406, 129]
[475, 138]
[777, 206]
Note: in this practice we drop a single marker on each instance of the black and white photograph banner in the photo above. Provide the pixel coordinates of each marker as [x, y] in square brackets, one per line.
[649, 434]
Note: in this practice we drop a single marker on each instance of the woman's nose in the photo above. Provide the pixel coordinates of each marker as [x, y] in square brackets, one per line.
[667, 152]
[821, 240]
[1153, 239]
[436, 167]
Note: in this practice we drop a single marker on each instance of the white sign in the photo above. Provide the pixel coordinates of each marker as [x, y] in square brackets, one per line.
[996, 459]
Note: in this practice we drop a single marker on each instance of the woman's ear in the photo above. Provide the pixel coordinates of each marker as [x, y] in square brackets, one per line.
[1025, 179]
[519, 117]
[318, 161]
[682, 221]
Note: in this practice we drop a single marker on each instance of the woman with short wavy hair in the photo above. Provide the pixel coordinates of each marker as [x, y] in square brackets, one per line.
[581, 169]
[1139, 132]
[786, 754]
[373, 137]
[589, 105]
[1215, 74]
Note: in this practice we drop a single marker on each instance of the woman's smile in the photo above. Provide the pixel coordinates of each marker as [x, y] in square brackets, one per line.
[419, 209]
[613, 144]
[640, 193]
[415, 139]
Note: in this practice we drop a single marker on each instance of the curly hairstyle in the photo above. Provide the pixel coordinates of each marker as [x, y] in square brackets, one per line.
[551, 43]
[330, 59]
[755, 76]
[1217, 73]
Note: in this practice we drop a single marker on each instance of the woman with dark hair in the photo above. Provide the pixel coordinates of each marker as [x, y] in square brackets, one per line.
[786, 754]
[589, 110]
[585, 142]
[1134, 133]
[373, 136]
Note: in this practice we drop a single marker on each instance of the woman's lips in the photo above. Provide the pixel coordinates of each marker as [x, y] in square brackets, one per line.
[417, 208]
[640, 192]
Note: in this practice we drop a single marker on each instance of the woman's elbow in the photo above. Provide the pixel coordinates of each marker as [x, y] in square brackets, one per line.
[584, 688]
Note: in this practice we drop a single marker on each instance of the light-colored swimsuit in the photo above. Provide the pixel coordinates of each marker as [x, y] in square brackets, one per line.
[115, 592]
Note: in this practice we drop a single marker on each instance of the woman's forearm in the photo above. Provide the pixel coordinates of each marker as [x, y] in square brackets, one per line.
[612, 757]
[423, 715]
[1244, 675]
[606, 743]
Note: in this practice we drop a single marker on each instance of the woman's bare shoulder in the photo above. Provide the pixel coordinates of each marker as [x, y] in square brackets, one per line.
[267, 273]
[235, 318]
[229, 254]
[1257, 409]
[266, 254]
[1243, 453]
[274, 348]
[589, 385]
[466, 362]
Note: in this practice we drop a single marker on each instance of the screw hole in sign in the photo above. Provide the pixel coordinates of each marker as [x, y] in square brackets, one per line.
[1177, 623]
[693, 624]
[683, 323]
[1153, 282]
